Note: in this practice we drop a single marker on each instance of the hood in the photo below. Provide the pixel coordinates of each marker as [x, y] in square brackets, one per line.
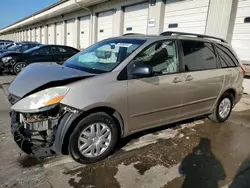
[39, 76]
[9, 53]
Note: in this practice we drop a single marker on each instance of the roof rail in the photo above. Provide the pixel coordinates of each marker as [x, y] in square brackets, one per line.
[169, 33]
[132, 34]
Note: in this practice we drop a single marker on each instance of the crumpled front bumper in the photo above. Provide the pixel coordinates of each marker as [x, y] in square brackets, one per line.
[35, 142]
[31, 142]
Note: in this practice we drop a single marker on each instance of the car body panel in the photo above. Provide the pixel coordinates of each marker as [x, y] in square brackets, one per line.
[155, 100]
[53, 72]
[201, 93]
[103, 91]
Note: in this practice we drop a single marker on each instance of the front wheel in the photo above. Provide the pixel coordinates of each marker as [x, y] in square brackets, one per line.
[18, 67]
[223, 108]
[94, 138]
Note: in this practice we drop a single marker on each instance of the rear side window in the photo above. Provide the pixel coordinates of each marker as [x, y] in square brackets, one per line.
[198, 56]
[65, 50]
[227, 59]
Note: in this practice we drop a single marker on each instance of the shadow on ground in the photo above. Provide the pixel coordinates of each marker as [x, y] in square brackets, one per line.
[201, 168]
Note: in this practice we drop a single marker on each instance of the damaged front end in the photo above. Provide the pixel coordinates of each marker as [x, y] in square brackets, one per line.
[35, 133]
[35, 120]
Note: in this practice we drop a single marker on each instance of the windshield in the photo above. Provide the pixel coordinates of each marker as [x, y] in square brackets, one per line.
[104, 56]
[14, 47]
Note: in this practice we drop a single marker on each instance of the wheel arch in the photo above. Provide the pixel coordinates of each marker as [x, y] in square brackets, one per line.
[72, 125]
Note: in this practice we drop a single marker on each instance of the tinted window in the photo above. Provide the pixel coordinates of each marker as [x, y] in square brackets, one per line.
[198, 56]
[25, 47]
[226, 57]
[42, 51]
[161, 56]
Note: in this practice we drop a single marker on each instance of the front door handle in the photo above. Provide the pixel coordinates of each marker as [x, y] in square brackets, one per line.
[177, 80]
[189, 78]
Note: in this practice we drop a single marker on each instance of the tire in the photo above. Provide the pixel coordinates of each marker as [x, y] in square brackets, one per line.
[216, 116]
[90, 142]
[18, 67]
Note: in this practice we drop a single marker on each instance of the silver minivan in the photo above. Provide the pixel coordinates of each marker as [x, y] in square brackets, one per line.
[120, 86]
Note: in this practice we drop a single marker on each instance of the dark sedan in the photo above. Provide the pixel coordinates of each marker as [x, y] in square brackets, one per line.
[15, 62]
[19, 46]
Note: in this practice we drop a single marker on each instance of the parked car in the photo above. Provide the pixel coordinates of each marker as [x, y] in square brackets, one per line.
[19, 46]
[5, 42]
[15, 61]
[120, 86]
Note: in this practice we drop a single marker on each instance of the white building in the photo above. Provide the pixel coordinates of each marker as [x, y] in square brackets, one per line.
[80, 23]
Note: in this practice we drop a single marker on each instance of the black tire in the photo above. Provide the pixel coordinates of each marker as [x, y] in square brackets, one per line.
[99, 117]
[18, 67]
[216, 116]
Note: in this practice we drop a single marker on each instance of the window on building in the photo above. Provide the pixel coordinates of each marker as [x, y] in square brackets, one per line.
[247, 20]
[198, 56]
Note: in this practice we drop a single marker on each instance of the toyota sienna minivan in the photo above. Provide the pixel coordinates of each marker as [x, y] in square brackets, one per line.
[120, 86]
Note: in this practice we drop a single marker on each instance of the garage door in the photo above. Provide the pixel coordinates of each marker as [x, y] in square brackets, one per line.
[105, 23]
[33, 34]
[59, 33]
[136, 19]
[43, 35]
[23, 36]
[28, 35]
[69, 32]
[241, 35]
[186, 16]
[84, 32]
[38, 34]
[51, 37]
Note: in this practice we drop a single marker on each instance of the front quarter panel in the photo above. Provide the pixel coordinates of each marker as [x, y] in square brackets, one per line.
[99, 91]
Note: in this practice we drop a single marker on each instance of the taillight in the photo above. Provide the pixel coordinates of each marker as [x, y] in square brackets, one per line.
[243, 70]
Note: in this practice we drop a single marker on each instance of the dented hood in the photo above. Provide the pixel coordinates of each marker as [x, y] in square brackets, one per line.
[38, 76]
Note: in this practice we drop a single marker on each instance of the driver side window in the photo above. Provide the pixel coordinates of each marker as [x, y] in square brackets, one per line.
[161, 56]
[42, 51]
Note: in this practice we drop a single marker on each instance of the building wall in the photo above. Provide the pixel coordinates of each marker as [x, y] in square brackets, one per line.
[211, 17]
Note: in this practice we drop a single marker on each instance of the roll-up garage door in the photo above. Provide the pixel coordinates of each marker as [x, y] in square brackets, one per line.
[20, 36]
[51, 36]
[33, 34]
[105, 25]
[59, 33]
[186, 16]
[69, 32]
[241, 34]
[38, 34]
[23, 35]
[84, 32]
[136, 19]
[28, 35]
[43, 35]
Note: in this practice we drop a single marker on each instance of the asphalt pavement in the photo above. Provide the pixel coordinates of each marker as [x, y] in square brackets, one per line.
[190, 154]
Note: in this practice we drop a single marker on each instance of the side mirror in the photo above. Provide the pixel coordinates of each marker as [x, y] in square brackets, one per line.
[142, 71]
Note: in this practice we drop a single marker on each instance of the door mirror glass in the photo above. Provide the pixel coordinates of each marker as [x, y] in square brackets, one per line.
[142, 71]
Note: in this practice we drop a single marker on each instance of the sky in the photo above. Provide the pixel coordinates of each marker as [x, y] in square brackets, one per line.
[14, 10]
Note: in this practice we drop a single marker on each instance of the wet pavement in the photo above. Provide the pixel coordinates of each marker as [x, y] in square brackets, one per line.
[189, 154]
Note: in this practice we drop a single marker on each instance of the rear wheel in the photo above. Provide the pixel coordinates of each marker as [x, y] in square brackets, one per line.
[94, 138]
[18, 67]
[223, 108]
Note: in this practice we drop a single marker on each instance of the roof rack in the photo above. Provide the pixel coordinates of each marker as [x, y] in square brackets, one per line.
[169, 33]
[132, 34]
